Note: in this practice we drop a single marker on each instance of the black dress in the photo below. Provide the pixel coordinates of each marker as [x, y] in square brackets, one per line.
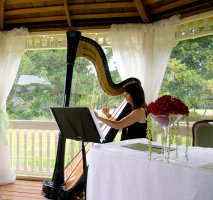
[136, 130]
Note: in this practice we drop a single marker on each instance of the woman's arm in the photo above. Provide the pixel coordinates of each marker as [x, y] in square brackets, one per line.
[137, 115]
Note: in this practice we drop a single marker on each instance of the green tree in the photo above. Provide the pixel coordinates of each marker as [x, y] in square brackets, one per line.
[179, 81]
[189, 72]
[32, 101]
[37, 98]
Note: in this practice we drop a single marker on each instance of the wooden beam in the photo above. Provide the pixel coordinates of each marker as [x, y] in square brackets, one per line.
[15, 2]
[170, 6]
[186, 12]
[22, 11]
[35, 19]
[66, 7]
[105, 16]
[76, 7]
[1, 15]
[96, 6]
[63, 18]
[50, 29]
[141, 10]
[147, 2]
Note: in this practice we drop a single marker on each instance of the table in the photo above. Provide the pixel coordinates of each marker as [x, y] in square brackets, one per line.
[119, 173]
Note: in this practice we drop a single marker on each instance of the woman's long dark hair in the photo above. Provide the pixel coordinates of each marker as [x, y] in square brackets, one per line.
[135, 89]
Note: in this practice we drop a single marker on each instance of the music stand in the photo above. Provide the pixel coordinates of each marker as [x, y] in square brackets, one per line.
[78, 123]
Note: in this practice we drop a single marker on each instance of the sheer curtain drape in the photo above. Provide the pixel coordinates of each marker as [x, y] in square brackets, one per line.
[12, 44]
[143, 50]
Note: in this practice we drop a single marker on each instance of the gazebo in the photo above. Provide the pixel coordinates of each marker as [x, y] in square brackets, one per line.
[42, 24]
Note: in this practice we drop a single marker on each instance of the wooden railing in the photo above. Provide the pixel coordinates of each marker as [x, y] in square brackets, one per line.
[33, 147]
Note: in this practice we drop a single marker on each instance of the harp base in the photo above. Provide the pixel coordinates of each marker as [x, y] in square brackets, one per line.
[77, 191]
[49, 190]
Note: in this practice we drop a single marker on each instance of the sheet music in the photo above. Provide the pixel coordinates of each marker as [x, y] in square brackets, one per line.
[97, 124]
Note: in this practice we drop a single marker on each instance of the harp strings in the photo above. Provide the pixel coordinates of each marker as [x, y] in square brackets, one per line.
[84, 75]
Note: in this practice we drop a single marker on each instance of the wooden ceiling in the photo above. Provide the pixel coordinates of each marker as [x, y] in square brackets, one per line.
[55, 15]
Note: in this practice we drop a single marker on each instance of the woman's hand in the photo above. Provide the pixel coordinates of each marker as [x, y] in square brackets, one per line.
[105, 111]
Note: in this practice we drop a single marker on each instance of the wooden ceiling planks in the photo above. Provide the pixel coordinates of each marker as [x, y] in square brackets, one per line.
[49, 15]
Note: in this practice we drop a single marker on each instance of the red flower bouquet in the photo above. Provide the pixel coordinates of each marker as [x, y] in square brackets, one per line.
[167, 105]
[166, 111]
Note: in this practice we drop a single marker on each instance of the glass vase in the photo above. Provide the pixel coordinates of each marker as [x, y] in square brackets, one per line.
[165, 121]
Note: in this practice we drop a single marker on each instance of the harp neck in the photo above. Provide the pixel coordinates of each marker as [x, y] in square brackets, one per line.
[79, 46]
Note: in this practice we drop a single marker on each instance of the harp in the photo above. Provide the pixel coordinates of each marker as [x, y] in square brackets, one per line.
[66, 181]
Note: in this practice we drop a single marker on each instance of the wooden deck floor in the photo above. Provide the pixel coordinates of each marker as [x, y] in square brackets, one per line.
[22, 190]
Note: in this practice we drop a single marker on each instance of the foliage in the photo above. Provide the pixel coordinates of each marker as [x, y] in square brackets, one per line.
[33, 100]
[36, 98]
[189, 73]
[188, 77]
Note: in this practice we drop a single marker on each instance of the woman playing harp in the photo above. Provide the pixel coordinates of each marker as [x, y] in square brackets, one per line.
[134, 123]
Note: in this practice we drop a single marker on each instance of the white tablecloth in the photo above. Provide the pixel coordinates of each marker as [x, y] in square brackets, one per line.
[119, 173]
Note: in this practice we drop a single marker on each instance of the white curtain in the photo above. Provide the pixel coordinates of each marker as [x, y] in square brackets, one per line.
[143, 51]
[12, 44]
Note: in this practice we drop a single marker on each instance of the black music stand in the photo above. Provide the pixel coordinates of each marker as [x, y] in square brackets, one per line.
[78, 123]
